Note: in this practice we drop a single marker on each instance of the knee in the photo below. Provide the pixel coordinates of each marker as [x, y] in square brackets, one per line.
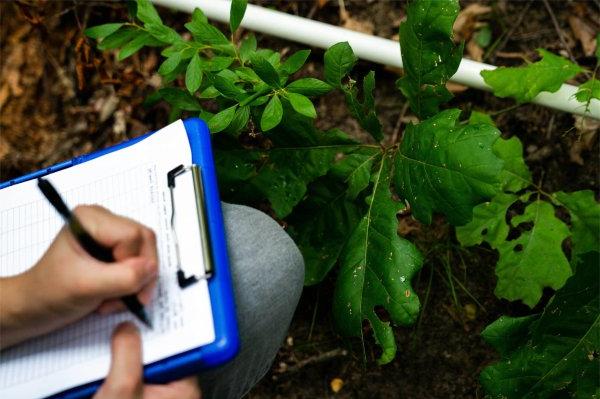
[262, 255]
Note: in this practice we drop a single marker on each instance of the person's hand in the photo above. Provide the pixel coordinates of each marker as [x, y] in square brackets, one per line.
[67, 283]
[124, 380]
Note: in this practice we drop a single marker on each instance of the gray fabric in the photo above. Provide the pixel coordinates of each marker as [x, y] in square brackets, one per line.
[268, 274]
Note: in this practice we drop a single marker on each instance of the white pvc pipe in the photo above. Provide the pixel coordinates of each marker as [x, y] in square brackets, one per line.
[371, 48]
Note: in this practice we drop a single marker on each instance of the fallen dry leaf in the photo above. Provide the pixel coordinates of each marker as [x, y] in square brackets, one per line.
[321, 3]
[584, 33]
[336, 384]
[354, 24]
[455, 87]
[587, 134]
[466, 21]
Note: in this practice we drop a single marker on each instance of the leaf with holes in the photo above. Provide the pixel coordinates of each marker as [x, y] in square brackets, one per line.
[526, 82]
[585, 219]
[376, 269]
[515, 174]
[429, 55]
[535, 259]
[554, 354]
[447, 168]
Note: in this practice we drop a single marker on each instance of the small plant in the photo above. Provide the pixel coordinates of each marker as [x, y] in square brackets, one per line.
[340, 198]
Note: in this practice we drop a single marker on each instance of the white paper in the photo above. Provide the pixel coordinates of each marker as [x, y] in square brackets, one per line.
[130, 182]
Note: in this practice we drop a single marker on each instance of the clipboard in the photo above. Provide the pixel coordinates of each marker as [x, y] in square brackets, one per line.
[226, 343]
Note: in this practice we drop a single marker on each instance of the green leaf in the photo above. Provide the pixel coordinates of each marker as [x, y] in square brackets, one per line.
[238, 8]
[180, 99]
[355, 170]
[526, 82]
[585, 220]
[488, 223]
[365, 112]
[272, 114]
[483, 37]
[554, 354]
[198, 17]
[280, 175]
[240, 120]
[118, 38]
[265, 70]
[480, 117]
[221, 120]
[247, 47]
[147, 13]
[589, 90]
[169, 64]
[376, 269]
[193, 74]
[141, 40]
[309, 87]
[302, 105]
[96, 32]
[294, 62]
[206, 33]
[429, 55]
[515, 174]
[163, 33]
[339, 60]
[228, 89]
[535, 259]
[216, 64]
[441, 167]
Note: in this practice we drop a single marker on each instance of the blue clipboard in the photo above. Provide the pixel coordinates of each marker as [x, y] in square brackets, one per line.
[226, 343]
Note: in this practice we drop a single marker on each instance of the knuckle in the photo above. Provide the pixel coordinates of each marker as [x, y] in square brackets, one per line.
[149, 235]
[122, 388]
[132, 279]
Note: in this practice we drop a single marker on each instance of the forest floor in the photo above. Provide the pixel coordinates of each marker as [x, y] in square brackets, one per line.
[60, 97]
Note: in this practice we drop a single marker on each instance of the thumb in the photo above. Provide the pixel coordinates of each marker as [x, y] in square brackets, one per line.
[124, 379]
[121, 278]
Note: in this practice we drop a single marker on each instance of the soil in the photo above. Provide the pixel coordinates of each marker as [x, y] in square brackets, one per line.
[60, 97]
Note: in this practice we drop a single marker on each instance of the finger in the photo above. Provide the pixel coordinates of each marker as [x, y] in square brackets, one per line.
[187, 388]
[111, 306]
[124, 378]
[121, 234]
[127, 277]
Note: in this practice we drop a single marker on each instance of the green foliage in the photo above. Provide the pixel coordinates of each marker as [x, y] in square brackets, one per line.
[524, 83]
[554, 354]
[339, 197]
[429, 56]
[454, 165]
[588, 90]
[376, 268]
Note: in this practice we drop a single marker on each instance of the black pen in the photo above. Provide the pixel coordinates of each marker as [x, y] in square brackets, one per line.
[88, 243]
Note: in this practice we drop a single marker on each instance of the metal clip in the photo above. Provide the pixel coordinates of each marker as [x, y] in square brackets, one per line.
[183, 280]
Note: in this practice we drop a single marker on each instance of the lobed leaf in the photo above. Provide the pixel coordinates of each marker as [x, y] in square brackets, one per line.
[365, 112]
[585, 220]
[376, 269]
[441, 167]
[554, 354]
[588, 91]
[535, 259]
[526, 82]
[515, 174]
[429, 55]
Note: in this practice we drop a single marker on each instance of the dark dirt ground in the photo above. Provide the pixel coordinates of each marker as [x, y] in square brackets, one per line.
[59, 97]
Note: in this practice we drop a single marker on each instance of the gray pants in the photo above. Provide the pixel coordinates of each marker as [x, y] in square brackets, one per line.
[268, 274]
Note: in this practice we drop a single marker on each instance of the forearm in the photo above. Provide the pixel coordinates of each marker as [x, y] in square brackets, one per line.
[16, 316]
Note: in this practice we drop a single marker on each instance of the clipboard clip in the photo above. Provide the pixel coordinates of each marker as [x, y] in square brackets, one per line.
[183, 280]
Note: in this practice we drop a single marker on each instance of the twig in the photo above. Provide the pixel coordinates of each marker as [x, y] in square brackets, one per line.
[508, 34]
[398, 125]
[321, 357]
[558, 30]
